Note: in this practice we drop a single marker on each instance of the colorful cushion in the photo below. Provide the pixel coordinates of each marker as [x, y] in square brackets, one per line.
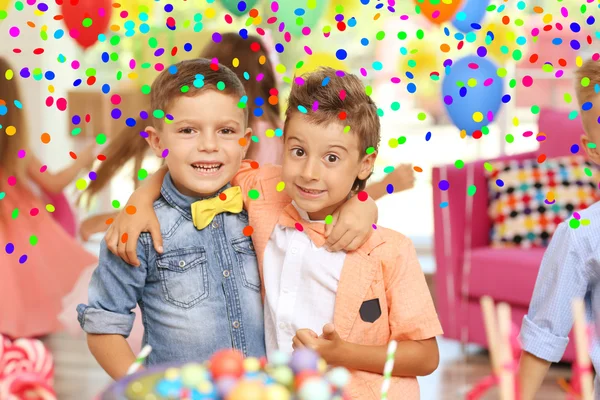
[528, 199]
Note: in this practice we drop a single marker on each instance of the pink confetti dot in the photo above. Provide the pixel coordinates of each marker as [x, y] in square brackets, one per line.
[49, 101]
[527, 133]
[559, 73]
[435, 14]
[12, 181]
[75, 64]
[362, 195]
[274, 6]
[308, 50]
[306, 31]
[260, 77]
[287, 37]
[115, 99]
[132, 64]
[124, 14]
[43, 168]
[596, 56]
[535, 32]
[374, 226]
[299, 81]
[74, 33]
[101, 12]
[488, 82]
[31, 2]
[564, 12]
[404, 17]
[363, 72]
[576, 215]
[61, 104]
[395, 79]
[299, 227]
[21, 153]
[315, 106]
[14, 31]
[159, 67]
[165, 153]
[527, 81]
[490, 116]
[33, 212]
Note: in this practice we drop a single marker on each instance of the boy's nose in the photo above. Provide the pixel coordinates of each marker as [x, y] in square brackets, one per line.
[207, 143]
[310, 172]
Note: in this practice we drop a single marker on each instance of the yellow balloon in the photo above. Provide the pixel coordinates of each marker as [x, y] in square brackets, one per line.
[321, 60]
[4, 4]
[504, 43]
[422, 59]
[351, 9]
[134, 8]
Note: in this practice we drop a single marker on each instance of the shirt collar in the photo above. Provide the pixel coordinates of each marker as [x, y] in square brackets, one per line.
[303, 214]
[180, 201]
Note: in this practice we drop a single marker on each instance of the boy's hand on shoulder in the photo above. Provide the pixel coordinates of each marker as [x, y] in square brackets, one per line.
[352, 224]
[329, 345]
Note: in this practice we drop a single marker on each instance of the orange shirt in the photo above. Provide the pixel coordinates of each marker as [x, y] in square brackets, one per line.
[384, 273]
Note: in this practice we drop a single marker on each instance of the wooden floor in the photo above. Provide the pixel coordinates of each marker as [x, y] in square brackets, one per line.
[78, 377]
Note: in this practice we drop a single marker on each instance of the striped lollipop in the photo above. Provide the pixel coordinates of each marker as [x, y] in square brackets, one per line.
[387, 369]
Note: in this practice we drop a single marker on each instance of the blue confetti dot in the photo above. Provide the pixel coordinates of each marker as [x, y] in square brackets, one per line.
[105, 88]
[279, 48]
[23, 259]
[3, 110]
[187, 47]
[378, 6]
[59, 33]
[173, 69]
[93, 175]
[116, 113]
[444, 185]
[18, 104]
[587, 106]
[377, 66]
[459, 36]
[25, 73]
[475, 26]
[500, 182]
[43, 7]
[364, 2]
[168, 8]
[77, 82]
[144, 28]
[76, 119]
[102, 38]
[9, 248]
[364, 41]
[461, 16]
[246, 75]
[389, 188]
[241, 6]
[130, 122]
[143, 114]
[341, 54]
[409, 75]
[428, 136]
[575, 149]
[129, 25]
[244, 33]
[462, 92]
[506, 98]
[299, 12]
[590, 20]
[352, 22]
[575, 45]
[339, 17]
[105, 57]
[411, 87]
[259, 101]
[575, 27]
[325, 81]
[302, 109]
[443, 204]
[49, 75]
[278, 132]
[258, 112]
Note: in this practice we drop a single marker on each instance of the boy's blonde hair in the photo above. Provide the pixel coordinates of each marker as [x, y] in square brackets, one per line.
[591, 70]
[341, 98]
[168, 85]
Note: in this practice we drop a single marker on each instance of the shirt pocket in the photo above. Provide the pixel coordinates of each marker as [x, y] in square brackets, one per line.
[183, 276]
[248, 266]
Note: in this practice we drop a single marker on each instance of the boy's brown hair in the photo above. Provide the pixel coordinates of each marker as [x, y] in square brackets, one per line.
[591, 70]
[167, 86]
[341, 99]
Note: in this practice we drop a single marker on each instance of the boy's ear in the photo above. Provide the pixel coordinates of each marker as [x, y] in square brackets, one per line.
[248, 137]
[593, 153]
[366, 165]
[154, 140]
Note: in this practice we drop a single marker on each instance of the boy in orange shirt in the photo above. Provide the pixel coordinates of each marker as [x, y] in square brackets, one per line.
[345, 305]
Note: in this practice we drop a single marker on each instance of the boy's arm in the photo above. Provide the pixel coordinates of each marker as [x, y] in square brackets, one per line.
[401, 178]
[114, 291]
[563, 276]
[122, 235]
[352, 224]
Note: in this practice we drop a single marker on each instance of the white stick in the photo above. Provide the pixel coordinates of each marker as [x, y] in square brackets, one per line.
[387, 369]
[140, 359]
[581, 346]
[491, 331]
[507, 375]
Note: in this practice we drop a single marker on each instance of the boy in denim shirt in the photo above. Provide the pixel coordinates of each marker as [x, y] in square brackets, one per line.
[202, 293]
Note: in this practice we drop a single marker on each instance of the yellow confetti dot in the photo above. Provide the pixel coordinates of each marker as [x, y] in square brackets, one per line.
[477, 116]
[51, 88]
[210, 13]
[515, 121]
[50, 208]
[11, 130]
[235, 62]
[270, 133]
[132, 75]
[9, 74]
[44, 28]
[81, 184]
[280, 186]
[280, 68]
[257, 20]
[262, 59]
[550, 196]
[115, 28]
[547, 18]
[579, 61]
[38, 13]
[393, 143]
[472, 82]
[463, 134]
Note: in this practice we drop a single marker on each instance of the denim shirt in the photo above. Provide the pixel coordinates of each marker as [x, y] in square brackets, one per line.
[201, 295]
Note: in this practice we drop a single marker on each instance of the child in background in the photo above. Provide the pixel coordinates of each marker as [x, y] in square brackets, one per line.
[39, 262]
[569, 268]
[345, 305]
[261, 87]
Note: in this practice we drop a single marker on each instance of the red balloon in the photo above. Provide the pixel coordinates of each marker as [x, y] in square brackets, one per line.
[79, 13]
[227, 362]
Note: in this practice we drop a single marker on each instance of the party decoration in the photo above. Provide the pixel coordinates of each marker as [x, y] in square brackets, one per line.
[26, 370]
[500, 41]
[4, 5]
[239, 7]
[138, 11]
[472, 12]
[437, 11]
[140, 359]
[301, 16]
[349, 8]
[86, 19]
[472, 93]
[321, 60]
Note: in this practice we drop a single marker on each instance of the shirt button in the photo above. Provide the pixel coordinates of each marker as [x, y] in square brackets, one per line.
[236, 324]
[182, 263]
[215, 224]
[281, 325]
[294, 250]
[226, 273]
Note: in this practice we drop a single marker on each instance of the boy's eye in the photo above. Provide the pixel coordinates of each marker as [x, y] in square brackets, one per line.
[332, 158]
[186, 130]
[227, 131]
[298, 152]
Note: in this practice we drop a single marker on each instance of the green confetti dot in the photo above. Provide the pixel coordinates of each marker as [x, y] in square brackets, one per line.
[568, 98]
[185, 89]
[591, 145]
[488, 166]
[87, 22]
[299, 64]
[370, 150]
[116, 203]
[221, 85]
[380, 112]
[368, 90]
[50, 208]
[574, 223]
[547, 68]
[519, 22]
[395, 106]
[253, 194]
[485, 130]
[19, 5]
[535, 109]
[402, 35]
[81, 184]
[15, 213]
[146, 89]
[43, 34]
[472, 189]
[158, 114]
[512, 83]
[119, 75]
[509, 138]
[114, 56]
[152, 42]
[90, 72]
[101, 138]
[142, 174]
[585, 81]
[380, 35]
[3, 14]
[347, 129]
[421, 116]
[254, 139]
[459, 164]
[115, 40]
[388, 169]
[420, 34]
[33, 240]
[76, 131]
[587, 171]
[2, 195]
[328, 219]
[402, 140]
[517, 55]
[241, 104]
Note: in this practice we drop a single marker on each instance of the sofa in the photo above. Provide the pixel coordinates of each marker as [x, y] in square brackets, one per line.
[467, 268]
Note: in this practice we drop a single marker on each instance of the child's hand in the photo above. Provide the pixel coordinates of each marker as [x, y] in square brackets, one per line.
[92, 225]
[401, 178]
[352, 225]
[122, 235]
[329, 345]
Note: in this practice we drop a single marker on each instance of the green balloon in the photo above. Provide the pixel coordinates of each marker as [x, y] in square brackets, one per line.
[232, 6]
[295, 23]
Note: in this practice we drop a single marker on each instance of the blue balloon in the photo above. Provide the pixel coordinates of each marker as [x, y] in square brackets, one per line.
[471, 12]
[462, 101]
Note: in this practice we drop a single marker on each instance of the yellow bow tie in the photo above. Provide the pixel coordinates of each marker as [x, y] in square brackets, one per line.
[204, 211]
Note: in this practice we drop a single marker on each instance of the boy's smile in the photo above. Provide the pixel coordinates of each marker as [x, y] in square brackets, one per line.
[320, 165]
[203, 141]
